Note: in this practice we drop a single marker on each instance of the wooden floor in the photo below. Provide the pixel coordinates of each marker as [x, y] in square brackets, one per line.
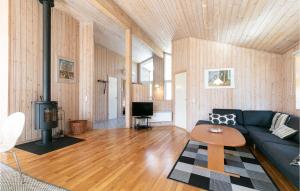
[118, 159]
[111, 123]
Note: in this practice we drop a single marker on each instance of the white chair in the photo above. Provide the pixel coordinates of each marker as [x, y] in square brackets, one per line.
[10, 131]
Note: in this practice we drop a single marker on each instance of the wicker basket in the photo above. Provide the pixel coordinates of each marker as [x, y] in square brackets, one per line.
[78, 126]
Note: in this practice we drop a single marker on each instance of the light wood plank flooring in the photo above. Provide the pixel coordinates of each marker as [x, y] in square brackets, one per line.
[117, 159]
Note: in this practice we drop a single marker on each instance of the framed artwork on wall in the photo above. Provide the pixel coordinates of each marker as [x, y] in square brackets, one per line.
[65, 70]
[219, 78]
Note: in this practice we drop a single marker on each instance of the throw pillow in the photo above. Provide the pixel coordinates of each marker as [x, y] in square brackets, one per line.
[296, 161]
[284, 131]
[281, 120]
[227, 119]
[274, 120]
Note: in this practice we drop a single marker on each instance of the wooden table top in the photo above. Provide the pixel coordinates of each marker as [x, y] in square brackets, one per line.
[229, 137]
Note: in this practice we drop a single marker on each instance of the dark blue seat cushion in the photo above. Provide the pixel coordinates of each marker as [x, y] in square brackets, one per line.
[294, 122]
[281, 155]
[241, 128]
[237, 112]
[259, 136]
[258, 118]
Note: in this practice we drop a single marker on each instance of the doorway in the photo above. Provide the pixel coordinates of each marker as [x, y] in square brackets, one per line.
[112, 98]
[180, 100]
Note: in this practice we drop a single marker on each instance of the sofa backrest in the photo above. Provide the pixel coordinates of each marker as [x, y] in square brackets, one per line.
[237, 112]
[294, 122]
[258, 118]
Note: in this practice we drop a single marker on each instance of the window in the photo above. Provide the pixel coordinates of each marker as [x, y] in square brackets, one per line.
[168, 90]
[168, 76]
[134, 72]
[150, 90]
[297, 76]
[168, 67]
[146, 74]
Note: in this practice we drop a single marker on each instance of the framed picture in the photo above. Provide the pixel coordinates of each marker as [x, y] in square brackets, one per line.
[65, 70]
[219, 78]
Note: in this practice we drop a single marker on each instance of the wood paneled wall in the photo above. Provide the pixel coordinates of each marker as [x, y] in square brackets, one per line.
[65, 43]
[107, 64]
[158, 78]
[162, 105]
[289, 86]
[26, 61]
[140, 93]
[4, 58]
[258, 83]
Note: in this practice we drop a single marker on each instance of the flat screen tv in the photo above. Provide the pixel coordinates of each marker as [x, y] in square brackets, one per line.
[142, 108]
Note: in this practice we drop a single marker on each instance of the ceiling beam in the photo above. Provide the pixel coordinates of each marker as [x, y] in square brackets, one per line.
[113, 11]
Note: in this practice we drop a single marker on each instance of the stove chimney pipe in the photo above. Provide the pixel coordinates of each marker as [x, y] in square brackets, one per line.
[47, 5]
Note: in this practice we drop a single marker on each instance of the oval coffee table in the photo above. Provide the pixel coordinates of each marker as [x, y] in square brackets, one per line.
[216, 142]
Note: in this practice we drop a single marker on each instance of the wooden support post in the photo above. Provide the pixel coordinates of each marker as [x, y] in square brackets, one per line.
[128, 66]
[113, 11]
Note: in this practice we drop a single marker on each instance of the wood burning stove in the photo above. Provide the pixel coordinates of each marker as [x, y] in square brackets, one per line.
[46, 110]
[46, 118]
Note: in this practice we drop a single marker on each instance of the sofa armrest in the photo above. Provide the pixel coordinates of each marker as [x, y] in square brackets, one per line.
[202, 122]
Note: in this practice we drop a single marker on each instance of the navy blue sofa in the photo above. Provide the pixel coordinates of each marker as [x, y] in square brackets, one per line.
[255, 125]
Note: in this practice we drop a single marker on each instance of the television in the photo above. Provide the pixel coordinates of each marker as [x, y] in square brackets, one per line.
[142, 108]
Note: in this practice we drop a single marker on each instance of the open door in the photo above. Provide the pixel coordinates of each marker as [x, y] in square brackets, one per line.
[112, 98]
[180, 100]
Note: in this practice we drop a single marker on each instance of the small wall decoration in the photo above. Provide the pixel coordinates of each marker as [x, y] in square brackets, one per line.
[219, 78]
[66, 70]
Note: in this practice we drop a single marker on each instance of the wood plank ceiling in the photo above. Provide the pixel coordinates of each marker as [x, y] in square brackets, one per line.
[107, 32]
[269, 25]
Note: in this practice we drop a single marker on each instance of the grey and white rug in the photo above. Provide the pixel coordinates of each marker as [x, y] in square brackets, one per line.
[189, 169]
[10, 181]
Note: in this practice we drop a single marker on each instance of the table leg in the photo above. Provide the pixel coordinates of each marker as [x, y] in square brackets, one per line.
[216, 157]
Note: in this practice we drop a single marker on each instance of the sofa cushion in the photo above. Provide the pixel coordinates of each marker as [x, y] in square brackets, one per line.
[226, 119]
[274, 121]
[275, 152]
[240, 128]
[237, 112]
[258, 118]
[294, 122]
[260, 135]
[284, 132]
[279, 119]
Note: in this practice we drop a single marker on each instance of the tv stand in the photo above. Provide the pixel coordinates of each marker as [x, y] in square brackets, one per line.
[146, 126]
